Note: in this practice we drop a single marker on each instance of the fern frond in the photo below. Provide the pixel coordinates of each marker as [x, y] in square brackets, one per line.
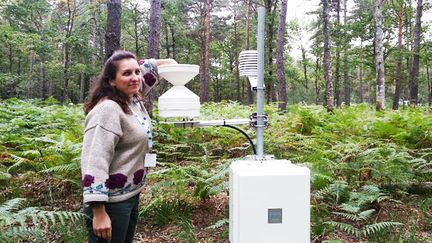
[376, 227]
[345, 227]
[349, 216]
[12, 234]
[364, 215]
[349, 208]
[11, 205]
[5, 176]
[219, 223]
[66, 168]
[218, 188]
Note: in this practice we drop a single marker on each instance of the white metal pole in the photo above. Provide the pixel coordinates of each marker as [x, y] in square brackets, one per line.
[260, 85]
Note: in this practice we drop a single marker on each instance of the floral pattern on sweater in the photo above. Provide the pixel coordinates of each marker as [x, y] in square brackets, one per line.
[116, 184]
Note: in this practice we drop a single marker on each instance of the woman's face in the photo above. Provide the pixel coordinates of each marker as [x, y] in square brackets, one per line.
[128, 77]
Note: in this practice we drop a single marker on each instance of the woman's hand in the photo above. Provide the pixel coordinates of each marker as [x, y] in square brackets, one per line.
[101, 221]
[168, 61]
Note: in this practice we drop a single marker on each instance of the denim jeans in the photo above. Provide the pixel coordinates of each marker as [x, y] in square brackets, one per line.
[124, 218]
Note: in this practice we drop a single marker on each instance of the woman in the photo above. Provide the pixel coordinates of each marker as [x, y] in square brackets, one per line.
[117, 137]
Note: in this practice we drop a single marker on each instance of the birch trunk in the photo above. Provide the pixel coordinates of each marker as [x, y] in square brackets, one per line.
[379, 56]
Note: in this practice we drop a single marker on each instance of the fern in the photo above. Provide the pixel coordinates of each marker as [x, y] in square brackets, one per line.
[356, 221]
[15, 220]
[219, 223]
[377, 227]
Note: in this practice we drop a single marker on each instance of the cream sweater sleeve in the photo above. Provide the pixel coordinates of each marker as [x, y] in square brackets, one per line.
[102, 133]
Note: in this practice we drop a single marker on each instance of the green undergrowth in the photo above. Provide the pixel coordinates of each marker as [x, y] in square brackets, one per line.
[362, 163]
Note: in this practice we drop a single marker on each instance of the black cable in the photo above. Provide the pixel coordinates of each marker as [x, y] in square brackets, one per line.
[244, 133]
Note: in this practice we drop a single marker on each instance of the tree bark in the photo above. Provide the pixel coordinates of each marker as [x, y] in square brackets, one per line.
[205, 53]
[270, 7]
[327, 58]
[113, 30]
[337, 61]
[304, 63]
[347, 83]
[153, 43]
[429, 85]
[10, 58]
[173, 42]
[154, 29]
[361, 94]
[398, 81]
[415, 68]
[82, 87]
[236, 54]
[71, 8]
[136, 30]
[379, 56]
[166, 35]
[249, 88]
[317, 87]
[280, 56]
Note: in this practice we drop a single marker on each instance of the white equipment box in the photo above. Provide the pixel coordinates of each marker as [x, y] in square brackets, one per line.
[269, 202]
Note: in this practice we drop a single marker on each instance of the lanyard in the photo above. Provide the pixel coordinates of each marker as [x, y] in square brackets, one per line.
[145, 124]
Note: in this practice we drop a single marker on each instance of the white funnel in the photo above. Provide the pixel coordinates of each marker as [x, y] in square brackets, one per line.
[178, 101]
[178, 74]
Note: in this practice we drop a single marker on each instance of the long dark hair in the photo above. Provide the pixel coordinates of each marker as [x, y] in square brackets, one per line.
[102, 88]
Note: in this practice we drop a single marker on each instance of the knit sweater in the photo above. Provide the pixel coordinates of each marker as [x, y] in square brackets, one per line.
[114, 147]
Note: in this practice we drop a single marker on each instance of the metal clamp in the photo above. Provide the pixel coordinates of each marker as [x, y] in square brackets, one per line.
[254, 120]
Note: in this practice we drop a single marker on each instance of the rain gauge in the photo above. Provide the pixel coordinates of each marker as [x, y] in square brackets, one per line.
[269, 198]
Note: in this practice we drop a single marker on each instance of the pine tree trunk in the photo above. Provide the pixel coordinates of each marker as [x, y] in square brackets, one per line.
[113, 30]
[361, 93]
[154, 29]
[327, 57]
[317, 88]
[173, 42]
[96, 37]
[415, 68]
[43, 78]
[71, 7]
[304, 62]
[398, 81]
[136, 31]
[429, 85]
[379, 56]
[205, 53]
[280, 57]
[249, 88]
[337, 61]
[10, 58]
[82, 87]
[408, 48]
[167, 45]
[153, 43]
[270, 7]
[347, 83]
[43, 88]
[236, 55]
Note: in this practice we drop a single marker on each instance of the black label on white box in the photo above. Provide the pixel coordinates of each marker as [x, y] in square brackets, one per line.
[275, 215]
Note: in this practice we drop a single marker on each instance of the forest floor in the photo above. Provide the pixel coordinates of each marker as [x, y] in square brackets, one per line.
[54, 194]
